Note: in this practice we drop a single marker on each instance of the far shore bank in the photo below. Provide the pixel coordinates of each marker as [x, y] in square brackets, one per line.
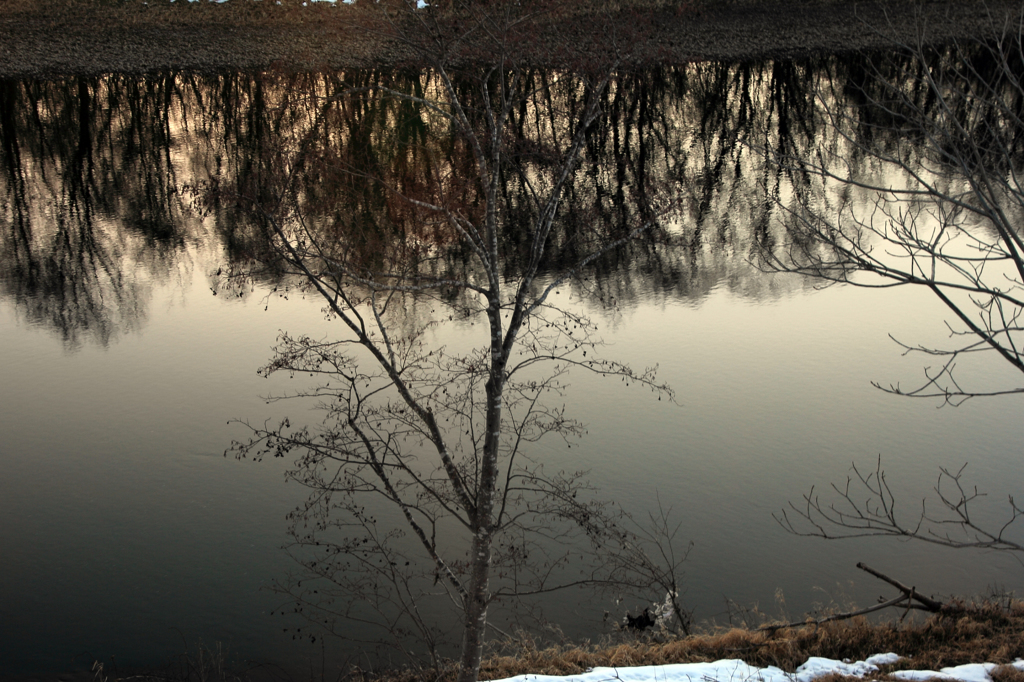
[49, 38]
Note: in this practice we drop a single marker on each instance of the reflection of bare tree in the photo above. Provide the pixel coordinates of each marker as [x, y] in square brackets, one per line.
[686, 128]
[92, 168]
[941, 130]
[89, 197]
[677, 130]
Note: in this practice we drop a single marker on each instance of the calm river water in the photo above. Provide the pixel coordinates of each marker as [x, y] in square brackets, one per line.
[127, 533]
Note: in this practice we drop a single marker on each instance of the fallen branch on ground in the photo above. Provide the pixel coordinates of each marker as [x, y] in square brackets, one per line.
[906, 600]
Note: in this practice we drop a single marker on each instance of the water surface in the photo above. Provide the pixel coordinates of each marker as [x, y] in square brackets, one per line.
[129, 535]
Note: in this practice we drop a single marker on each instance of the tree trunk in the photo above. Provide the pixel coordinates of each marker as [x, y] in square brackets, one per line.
[476, 607]
[483, 530]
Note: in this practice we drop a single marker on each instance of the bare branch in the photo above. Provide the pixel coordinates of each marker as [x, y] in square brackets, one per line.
[866, 507]
[943, 211]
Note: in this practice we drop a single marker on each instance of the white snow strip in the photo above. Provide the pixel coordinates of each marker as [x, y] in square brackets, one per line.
[737, 671]
[816, 667]
[720, 671]
[972, 672]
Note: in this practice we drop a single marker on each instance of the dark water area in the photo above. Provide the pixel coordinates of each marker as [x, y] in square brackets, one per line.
[126, 354]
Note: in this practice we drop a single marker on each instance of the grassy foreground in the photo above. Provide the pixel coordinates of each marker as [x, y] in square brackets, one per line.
[969, 633]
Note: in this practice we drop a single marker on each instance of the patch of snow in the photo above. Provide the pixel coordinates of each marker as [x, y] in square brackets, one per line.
[816, 667]
[737, 671]
[722, 671]
[972, 672]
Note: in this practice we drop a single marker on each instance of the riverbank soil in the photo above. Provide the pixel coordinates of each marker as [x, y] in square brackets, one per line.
[86, 37]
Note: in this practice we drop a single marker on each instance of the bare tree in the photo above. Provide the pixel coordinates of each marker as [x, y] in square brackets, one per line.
[942, 136]
[425, 453]
[940, 131]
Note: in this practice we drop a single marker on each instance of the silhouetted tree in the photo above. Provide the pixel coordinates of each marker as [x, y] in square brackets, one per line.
[943, 131]
[443, 437]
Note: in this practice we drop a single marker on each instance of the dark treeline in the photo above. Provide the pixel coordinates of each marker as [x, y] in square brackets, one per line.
[94, 200]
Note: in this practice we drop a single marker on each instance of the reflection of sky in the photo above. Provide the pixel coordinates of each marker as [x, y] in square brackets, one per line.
[123, 514]
[123, 522]
[775, 398]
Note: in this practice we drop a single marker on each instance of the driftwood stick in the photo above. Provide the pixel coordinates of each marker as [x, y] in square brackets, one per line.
[910, 592]
[836, 616]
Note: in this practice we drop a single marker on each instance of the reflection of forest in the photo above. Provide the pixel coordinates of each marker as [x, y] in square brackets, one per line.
[94, 168]
[89, 198]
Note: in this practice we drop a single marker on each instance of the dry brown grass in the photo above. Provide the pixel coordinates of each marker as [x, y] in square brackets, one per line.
[1007, 673]
[980, 632]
